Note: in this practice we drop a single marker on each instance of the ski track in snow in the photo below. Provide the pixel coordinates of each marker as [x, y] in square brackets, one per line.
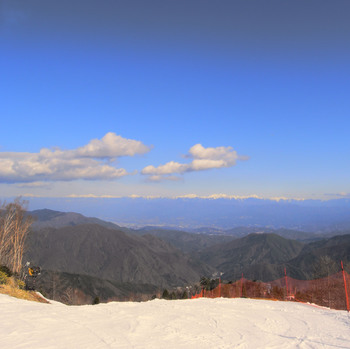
[201, 323]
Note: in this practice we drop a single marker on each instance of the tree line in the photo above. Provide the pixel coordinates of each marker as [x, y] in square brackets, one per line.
[14, 228]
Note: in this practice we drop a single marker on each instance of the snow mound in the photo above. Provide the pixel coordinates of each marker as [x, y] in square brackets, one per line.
[201, 323]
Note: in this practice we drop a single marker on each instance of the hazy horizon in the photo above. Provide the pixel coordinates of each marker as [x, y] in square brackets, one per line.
[192, 213]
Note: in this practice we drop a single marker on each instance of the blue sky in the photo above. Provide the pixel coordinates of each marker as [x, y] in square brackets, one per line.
[175, 98]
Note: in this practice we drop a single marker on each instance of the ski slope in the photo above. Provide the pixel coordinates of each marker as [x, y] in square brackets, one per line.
[200, 323]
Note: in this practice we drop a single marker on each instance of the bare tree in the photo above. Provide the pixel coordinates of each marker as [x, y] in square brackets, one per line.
[6, 228]
[14, 228]
[55, 281]
[69, 296]
[73, 296]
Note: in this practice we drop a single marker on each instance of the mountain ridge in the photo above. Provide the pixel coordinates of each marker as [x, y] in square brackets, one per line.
[152, 259]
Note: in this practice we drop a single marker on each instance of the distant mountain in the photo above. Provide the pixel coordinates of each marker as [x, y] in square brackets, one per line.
[286, 233]
[91, 249]
[104, 259]
[321, 258]
[257, 256]
[264, 257]
[54, 219]
[186, 242]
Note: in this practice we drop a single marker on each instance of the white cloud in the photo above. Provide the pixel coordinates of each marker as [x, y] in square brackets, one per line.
[203, 159]
[111, 146]
[45, 185]
[160, 178]
[93, 196]
[168, 168]
[92, 161]
[225, 153]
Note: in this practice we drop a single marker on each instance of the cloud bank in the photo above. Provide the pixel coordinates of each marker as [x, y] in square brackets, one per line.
[343, 195]
[91, 162]
[202, 159]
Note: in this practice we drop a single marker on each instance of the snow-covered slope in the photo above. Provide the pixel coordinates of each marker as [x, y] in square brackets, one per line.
[200, 323]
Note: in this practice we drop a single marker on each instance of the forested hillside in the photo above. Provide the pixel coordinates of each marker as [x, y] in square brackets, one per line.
[97, 258]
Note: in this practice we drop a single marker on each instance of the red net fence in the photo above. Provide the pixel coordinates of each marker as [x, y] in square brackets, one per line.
[332, 291]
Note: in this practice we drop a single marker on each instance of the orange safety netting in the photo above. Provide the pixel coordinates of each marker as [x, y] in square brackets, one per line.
[329, 291]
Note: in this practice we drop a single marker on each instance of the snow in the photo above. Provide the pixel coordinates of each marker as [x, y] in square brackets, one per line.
[199, 323]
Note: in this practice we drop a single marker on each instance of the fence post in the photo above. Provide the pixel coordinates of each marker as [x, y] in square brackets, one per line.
[346, 290]
[285, 275]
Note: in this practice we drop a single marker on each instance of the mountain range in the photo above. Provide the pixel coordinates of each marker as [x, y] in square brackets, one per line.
[99, 258]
